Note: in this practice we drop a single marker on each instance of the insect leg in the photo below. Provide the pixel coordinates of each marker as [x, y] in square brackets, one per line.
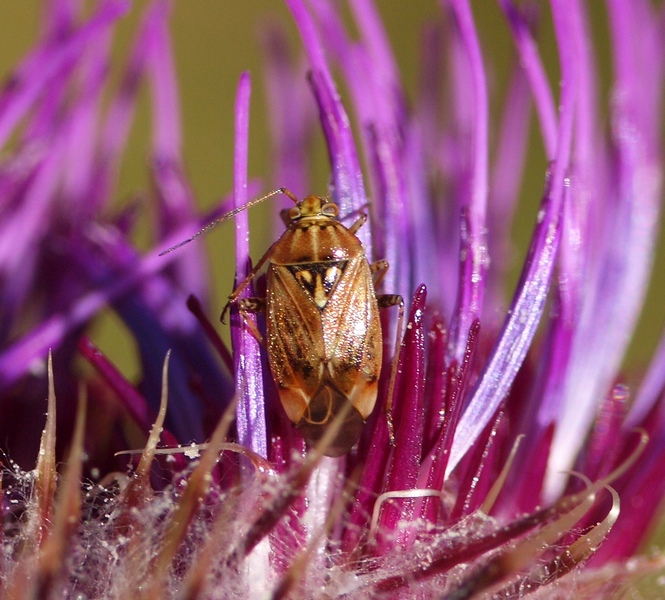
[241, 287]
[362, 219]
[380, 267]
[252, 305]
[386, 301]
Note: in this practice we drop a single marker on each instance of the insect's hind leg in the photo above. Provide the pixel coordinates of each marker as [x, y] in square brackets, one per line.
[386, 301]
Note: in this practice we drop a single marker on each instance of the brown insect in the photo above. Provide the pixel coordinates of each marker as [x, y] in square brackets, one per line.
[323, 331]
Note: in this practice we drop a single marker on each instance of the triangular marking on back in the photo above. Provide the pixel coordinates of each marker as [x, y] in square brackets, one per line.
[318, 279]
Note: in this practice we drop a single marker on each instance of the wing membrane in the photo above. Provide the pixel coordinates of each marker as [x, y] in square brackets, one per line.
[295, 337]
[355, 348]
[338, 345]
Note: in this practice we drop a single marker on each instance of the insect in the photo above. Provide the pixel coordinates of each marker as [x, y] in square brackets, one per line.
[323, 332]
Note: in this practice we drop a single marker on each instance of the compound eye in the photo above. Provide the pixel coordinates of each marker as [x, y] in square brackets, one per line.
[294, 213]
[330, 209]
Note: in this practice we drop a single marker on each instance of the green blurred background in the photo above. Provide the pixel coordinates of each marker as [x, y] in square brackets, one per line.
[215, 40]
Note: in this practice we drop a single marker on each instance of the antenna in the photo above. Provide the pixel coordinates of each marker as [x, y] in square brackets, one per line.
[230, 214]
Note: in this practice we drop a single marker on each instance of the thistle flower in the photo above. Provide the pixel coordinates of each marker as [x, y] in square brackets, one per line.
[507, 459]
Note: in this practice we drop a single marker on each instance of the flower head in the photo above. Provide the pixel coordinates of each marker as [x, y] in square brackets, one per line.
[504, 455]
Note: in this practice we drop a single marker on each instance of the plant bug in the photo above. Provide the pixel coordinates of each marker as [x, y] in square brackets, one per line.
[323, 332]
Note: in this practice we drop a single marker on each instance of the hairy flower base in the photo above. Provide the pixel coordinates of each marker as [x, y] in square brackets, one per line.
[202, 537]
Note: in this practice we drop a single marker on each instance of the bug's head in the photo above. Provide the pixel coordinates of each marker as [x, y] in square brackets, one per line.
[313, 206]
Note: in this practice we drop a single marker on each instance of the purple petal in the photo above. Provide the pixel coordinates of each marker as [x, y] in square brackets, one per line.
[347, 185]
[602, 449]
[651, 389]
[507, 172]
[46, 64]
[250, 413]
[161, 69]
[517, 334]
[480, 470]
[292, 117]
[20, 228]
[408, 415]
[529, 300]
[474, 259]
[79, 175]
[132, 401]
[535, 72]
[28, 352]
[616, 275]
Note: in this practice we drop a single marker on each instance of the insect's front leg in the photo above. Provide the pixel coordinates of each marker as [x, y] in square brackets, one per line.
[251, 305]
[386, 301]
[233, 298]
